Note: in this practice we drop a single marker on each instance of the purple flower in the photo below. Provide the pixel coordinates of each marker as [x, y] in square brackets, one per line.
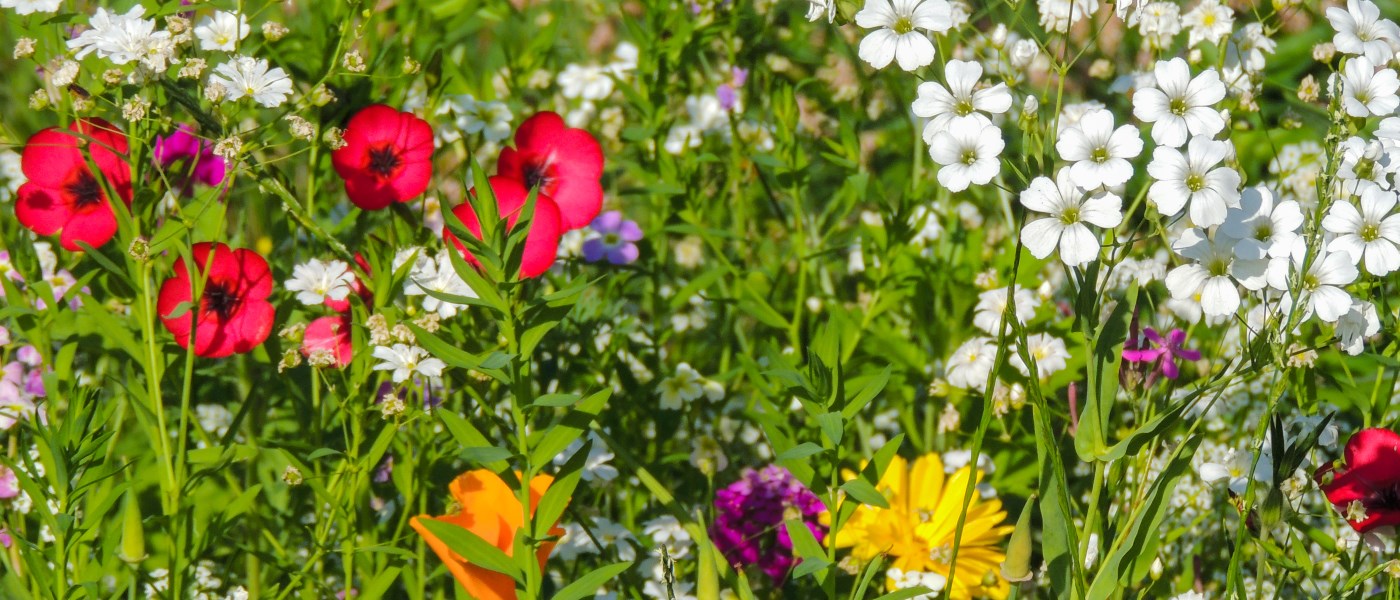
[748, 527]
[1166, 353]
[9, 484]
[184, 145]
[385, 470]
[728, 98]
[616, 239]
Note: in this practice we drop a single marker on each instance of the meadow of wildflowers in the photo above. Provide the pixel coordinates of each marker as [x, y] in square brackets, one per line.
[711, 299]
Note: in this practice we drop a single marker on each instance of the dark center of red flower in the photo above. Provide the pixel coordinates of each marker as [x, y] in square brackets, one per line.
[219, 299]
[1385, 498]
[84, 190]
[538, 174]
[383, 160]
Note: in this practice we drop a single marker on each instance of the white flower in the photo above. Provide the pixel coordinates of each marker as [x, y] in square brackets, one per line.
[437, 276]
[1367, 91]
[1258, 222]
[968, 154]
[1196, 178]
[817, 8]
[1321, 286]
[1210, 280]
[1069, 207]
[683, 386]
[222, 31]
[405, 360]
[970, 364]
[1235, 467]
[490, 119]
[316, 281]
[25, 7]
[1060, 15]
[587, 82]
[1180, 106]
[246, 76]
[991, 304]
[1362, 31]
[1359, 323]
[120, 38]
[1371, 161]
[1248, 48]
[1049, 353]
[1099, 152]
[596, 466]
[959, 103]
[1210, 21]
[1371, 234]
[896, 37]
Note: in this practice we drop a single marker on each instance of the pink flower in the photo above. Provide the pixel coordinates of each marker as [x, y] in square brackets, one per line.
[9, 484]
[1167, 352]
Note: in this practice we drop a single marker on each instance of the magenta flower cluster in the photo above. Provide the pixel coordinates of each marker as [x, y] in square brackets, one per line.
[748, 527]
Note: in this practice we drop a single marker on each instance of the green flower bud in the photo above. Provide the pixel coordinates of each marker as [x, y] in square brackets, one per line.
[1017, 566]
[133, 549]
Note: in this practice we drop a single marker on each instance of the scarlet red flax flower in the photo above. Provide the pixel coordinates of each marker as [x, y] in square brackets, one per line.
[1366, 489]
[565, 163]
[541, 244]
[63, 195]
[233, 315]
[387, 157]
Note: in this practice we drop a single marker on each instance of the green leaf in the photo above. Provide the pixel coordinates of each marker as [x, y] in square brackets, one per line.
[471, 547]
[556, 400]
[800, 452]
[1091, 439]
[587, 585]
[563, 432]
[866, 493]
[833, 426]
[467, 435]
[904, 594]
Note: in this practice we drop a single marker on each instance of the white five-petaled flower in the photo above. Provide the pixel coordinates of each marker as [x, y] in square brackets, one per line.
[1271, 229]
[1368, 91]
[1070, 208]
[1049, 353]
[1320, 291]
[1099, 152]
[405, 360]
[1180, 106]
[1371, 234]
[968, 153]
[959, 103]
[222, 31]
[1210, 21]
[1361, 31]
[245, 76]
[1235, 468]
[25, 7]
[681, 387]
[430, 276]
[316, 281]
[1195, 177]
[896, 36]
[991, 306]
[970, 364]
[1210, 279]
[1359, 323]
[120, 38]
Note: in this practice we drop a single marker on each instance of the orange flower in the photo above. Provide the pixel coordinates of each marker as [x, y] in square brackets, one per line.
[491, 510]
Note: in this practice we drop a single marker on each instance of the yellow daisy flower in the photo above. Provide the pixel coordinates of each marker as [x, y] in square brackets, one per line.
[918, 528]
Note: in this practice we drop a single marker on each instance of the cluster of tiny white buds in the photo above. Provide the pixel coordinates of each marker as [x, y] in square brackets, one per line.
[378, 330]
[410, 66]
[430, 322]
[113, 76]
[403, 334]
[135, 108]
[293, 333]
[291, 358]
[215, 92]
[334, 137]
[322, 95]
[321, 358]
[392, 406]
[24, 48]
[301, 128]
[292, 476]
[39, 100]
[192, 69]
[354, 62]
[273, 31]
[229, 147]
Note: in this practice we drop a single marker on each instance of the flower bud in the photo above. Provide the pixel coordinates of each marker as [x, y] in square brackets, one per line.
[133, 548]
[1017, 566]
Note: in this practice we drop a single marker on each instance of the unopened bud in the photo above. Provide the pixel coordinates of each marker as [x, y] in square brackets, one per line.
[133, 548]
[1017, 566]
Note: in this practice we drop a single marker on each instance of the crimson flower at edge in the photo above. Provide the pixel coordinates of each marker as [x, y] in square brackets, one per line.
[387, 157]
[63, 195]
[1366, 489]
[541, 244]
[565, 163]
[233, 315]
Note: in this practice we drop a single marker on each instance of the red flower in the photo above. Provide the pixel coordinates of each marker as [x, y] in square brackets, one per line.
[1371, 477]
[541, 244]
[330, 333]
[233, 315]
[565, 163]
[62, 193]
[387, 157]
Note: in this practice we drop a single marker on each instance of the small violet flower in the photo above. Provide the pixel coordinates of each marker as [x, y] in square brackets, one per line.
[616, 239]
[1165, 354]
[183, 145]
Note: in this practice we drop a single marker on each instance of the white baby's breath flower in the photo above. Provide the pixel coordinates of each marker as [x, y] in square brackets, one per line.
[896, 36]
[222, 31]
[1361, 31]
[960, 102]
[1195, 177]
[27, 7]
[244, 76]
[1210, 280]
[405, 360]
[316, 281]
[1099, 152]
[1371, 234]
[970, 364]
[1069, 208]
[1367, 90]
[968, 153]
[1180, 106]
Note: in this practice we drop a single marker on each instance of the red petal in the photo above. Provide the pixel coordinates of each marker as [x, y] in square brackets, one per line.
[1375, 446]
[174, 291]
[579, 200]
[49, 156]
[251, 325]
[255, 278]
[41, 209]
[93, 225]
